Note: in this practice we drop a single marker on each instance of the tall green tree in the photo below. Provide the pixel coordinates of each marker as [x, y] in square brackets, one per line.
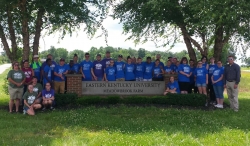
[200, 23]
[22, 21]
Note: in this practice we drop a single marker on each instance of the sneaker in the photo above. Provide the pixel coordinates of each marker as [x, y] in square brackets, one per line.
[24, 112]
[44, 109]
[52, 108]
[220, 106]
[216, 105]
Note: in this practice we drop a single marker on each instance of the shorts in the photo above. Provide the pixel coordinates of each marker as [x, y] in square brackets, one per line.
[147, 79]
[218, 90]
[184, 86]
[15, 93]
[201, 85]
[139, 79]
[26, 108]
[120, 79]
[40, 99]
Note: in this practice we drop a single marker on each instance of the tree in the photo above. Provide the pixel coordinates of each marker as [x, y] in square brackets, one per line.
[201, 23]
[21, 21]
[141, 53]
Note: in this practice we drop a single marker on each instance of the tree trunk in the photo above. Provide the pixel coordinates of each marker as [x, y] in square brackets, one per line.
[188, 43]
[6, 47]
[39, 23]
[25, 30]
[218, 43]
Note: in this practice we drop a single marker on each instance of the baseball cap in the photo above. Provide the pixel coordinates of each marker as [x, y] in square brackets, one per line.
[35, 56]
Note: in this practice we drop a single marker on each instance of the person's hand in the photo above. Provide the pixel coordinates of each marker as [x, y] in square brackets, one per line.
[213, 82]
[206, 82]
[235, 86]
[83, 76]
[107, 80]
[95, 78]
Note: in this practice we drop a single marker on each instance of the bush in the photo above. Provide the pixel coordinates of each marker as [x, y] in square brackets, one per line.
[170, 99]
[65, 99]
[5, 86]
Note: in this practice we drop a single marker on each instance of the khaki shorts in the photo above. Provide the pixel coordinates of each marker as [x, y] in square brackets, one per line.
[15, 93]
[59, 87]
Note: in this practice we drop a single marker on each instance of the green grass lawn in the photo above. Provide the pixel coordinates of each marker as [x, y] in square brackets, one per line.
[122, 125]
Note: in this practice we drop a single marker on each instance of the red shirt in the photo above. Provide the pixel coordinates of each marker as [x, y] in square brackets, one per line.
[28, 74]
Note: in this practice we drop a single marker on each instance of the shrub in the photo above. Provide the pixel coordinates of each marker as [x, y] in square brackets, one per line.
[170, 99]
[5, 86]
[65, 99]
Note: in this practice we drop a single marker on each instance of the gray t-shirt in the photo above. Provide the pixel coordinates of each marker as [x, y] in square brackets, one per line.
[17, 76]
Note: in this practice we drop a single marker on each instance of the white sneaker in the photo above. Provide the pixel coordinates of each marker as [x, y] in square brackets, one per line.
[219, 106]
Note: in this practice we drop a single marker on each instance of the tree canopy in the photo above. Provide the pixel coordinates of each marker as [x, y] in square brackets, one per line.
[22, 21]
[203, 24]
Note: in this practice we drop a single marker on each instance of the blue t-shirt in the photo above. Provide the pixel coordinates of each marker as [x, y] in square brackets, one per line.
[148, 70]
[37, 71]
[47, 71]
[186, 69]
[211, 69]
[174, 67]
[173, 85]
[204, 65]
[200, 74]
[161, 64]
[60, 70]
[110, 73]
[106, 62]
[48, 94]
[129, 72]
[217, 74]
[139, 69]
[98, 68]
[157, 70]
[168, 69]
[192, 69]
[86, 69]
[119, 70]
[52, 66]
[76, 67]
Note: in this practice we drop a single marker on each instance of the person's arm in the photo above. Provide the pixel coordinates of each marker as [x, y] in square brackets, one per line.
[212, 79]
[173, 90]
[46, 77]
[105, 77]
[221, 78]
[52, 95]
[93, 75]
[237, 75]
[207, 67]
[183, 73]
[206, 78]
[25, 102]
[13, 82]
[82, 72]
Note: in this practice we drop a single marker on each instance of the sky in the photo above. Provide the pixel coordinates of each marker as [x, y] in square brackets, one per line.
[80, 40]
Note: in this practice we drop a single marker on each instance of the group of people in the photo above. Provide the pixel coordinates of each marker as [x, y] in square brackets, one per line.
[207, 78]
[36, 83]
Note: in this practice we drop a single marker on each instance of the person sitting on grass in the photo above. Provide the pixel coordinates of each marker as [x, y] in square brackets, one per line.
[48, 97]
[110, 72]
[172, 86]
[29, 101]
[37, 88]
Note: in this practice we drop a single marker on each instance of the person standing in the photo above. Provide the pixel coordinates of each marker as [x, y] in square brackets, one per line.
[119, 64]
[47, 72]
[76, 65]
[148, 70]
[110, 72]
[36, 66]
[168, 69]
[184, 74]
[87, 69]
[212, 66]
[158, 56]
[129, 69]
[29, 73]
[231, 82]
[139, 69]
[106, 61]
[201, 78]
[157, 71]
[52, 66]
[98, 68]
[16, 80]
[192, 88]
[60, 71]
[217, 81]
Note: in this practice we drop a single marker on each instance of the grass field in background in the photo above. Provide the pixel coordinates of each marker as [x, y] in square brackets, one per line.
[122, 125]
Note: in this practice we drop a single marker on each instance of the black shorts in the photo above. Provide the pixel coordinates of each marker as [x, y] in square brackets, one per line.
[184, 86]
